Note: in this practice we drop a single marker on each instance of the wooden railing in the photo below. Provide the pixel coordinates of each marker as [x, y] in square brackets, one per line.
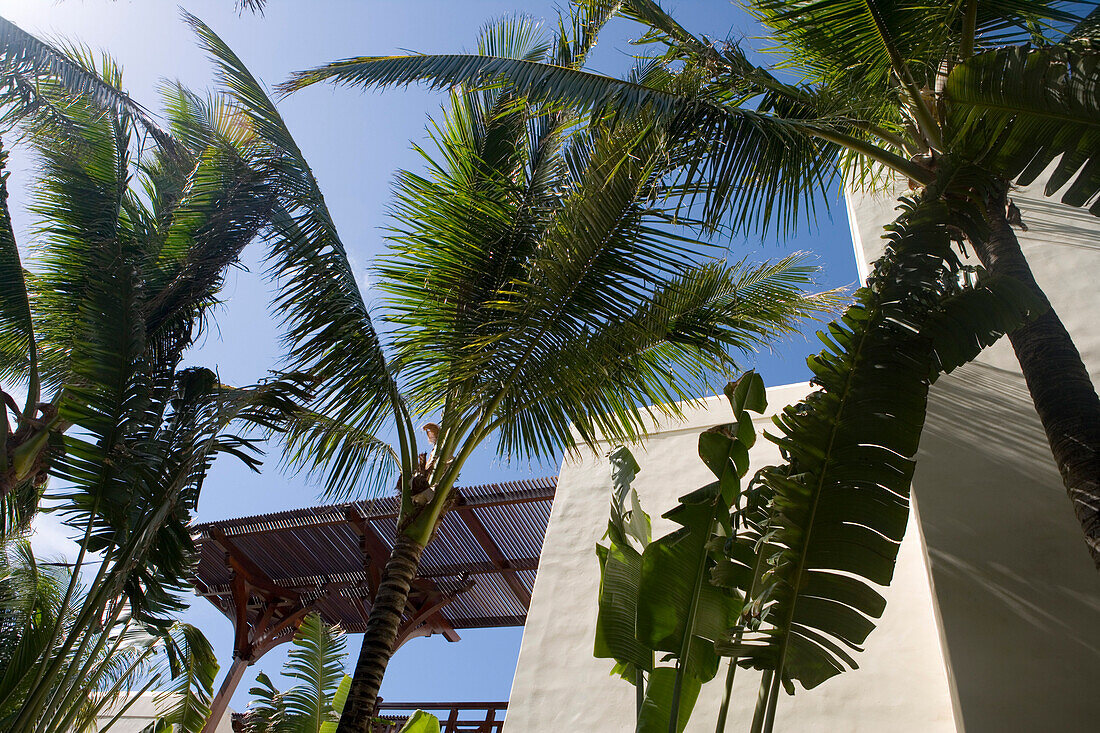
[454, 717]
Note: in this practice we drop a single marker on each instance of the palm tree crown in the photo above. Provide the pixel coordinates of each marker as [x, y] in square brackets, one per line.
[886, 88]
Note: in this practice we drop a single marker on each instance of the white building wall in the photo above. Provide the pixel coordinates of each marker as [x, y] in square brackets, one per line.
[993, 618]
[1017, 596]
[143, 713]
[559, 686]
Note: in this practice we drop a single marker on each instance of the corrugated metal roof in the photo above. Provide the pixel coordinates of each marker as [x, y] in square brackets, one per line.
[323, 557]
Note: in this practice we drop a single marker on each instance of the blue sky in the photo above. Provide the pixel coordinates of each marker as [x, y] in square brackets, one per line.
[355, 142]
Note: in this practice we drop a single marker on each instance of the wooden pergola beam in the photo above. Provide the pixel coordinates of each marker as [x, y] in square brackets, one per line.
[376, 553]
[308, 584]
[282, 611]
[424, 614]
[506, 570]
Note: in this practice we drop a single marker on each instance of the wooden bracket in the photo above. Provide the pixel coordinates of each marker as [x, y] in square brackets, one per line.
[264, 613]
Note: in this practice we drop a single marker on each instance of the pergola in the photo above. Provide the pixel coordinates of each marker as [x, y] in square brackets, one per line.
[267, 572]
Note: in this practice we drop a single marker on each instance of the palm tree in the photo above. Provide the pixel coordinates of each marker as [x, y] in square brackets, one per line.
[535, 282]
[911, 88]
[111, 665]
[314, 703]
[177, 213]
[133, 242]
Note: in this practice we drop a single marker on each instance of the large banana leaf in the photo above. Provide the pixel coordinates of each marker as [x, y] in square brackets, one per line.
[837, 510]
[662, 599]
[421, 722]
[653, 717]
[621, 572]
[1019, 109]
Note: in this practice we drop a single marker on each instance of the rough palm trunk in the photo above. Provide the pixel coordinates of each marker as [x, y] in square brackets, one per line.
[1060, 387]
[381, 633]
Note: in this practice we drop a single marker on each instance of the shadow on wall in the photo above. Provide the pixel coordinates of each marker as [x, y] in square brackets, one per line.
[1049, 223]
[1017, 594]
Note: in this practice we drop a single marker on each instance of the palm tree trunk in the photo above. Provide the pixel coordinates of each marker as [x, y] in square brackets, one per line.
[1060, 387]
[381, 634]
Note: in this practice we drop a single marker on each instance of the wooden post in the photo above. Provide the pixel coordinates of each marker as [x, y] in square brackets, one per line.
[221, 700]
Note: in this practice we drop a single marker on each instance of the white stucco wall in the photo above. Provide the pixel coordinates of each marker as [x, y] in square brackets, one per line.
[1017, 596]
[902, 681]
[142, 714]
[993, 618]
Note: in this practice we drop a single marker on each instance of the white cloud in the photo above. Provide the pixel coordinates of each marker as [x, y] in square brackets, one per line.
[51, 539]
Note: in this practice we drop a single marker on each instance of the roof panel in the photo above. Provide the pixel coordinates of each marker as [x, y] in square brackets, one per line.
[491, 543]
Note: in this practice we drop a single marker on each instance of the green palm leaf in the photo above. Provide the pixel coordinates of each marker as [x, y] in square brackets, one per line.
[191, 666]
[265, 710]
[314, 703]
[17, 348]
[348, 457]
[1017, 110]
[27, 64]
[597, 382]
[753, 158]
[316, 662]
[19, 492]
[328, 327]
[82, 206]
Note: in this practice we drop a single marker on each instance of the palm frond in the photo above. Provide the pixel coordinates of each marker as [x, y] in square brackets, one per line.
[265, 710]
[758, 161]
[30, 607]
[1088, 27]
[1017, 110]
[27, 62]
[328, 328]
[316, 662]
[351, 461]
[829, 521]
[605, 383]
[81, 211]
[222, 209]
[190, 664]
[18, 351]
[885, 43]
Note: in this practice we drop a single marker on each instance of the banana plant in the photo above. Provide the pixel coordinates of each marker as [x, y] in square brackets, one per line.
[789, 562]
[659, 596]
[823, 529]
[421, 722]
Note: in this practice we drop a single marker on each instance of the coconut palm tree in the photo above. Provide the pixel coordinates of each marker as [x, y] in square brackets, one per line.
[166, 219]
[908, 88]
[132, 245]
[539, 295]
[314, 703]
[111, 665]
